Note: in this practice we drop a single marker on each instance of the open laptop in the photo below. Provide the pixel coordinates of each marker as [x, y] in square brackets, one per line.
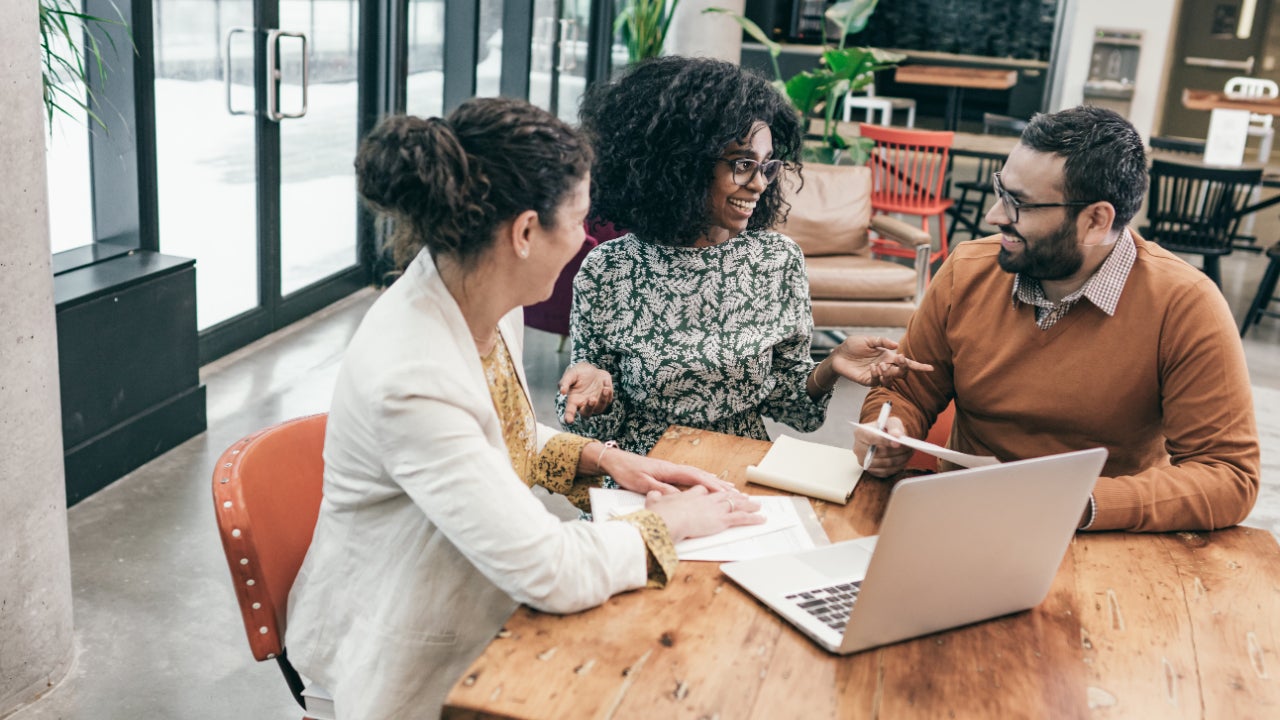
[954, 548]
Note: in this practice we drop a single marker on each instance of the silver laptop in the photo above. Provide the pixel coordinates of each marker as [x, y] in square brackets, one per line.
[954, 548]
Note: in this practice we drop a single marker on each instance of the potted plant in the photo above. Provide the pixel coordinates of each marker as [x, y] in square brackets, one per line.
[643, 25]
[64, 68]
[842, 69]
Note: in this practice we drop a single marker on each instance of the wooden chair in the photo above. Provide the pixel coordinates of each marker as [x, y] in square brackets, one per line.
[1181, 145]
[980, 185]
[939, 434]
[266, 495]
[909, 170]
[1266, 292]
[829, 219]
[1194, 209]
[868, 100]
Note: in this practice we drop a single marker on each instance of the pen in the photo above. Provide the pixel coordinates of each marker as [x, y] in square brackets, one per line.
[880, 423]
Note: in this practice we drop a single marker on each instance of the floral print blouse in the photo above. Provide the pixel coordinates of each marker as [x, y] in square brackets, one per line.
[714, 338]
[555, 468]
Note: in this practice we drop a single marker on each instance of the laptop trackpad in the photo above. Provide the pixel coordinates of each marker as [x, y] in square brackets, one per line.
[846, 560]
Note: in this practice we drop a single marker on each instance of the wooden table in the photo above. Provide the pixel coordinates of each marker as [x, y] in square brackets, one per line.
[956, 80]
[1180, 625]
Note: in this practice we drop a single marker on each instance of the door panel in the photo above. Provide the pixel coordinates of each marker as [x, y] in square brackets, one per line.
[205, 155]
[1208, 52]
[317, 182]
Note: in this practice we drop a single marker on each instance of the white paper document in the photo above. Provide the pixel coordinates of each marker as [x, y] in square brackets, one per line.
[1228, 134]
[782, 530]
[952, 456]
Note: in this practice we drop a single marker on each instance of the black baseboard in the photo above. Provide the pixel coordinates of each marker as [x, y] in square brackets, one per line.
[104, 458]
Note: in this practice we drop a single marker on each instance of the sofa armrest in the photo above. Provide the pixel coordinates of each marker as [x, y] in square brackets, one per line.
[912, 238]
[908, 236]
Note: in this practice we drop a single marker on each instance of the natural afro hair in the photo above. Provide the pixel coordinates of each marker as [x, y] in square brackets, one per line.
[658, 131]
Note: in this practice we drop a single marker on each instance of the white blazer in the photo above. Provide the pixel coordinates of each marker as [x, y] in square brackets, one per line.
[427, 539]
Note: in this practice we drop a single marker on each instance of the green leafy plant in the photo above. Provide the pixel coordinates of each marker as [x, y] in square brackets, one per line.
[64, 68]
[644, 25]
[842, 69]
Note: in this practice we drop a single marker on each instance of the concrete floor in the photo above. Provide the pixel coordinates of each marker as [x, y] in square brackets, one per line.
[157, 631]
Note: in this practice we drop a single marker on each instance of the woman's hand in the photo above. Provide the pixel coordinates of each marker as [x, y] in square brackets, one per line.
[587, 391]
[642, 474]
[696, 512]
[871, 361]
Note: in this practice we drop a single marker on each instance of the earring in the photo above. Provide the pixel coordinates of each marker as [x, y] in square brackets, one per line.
[524, 253]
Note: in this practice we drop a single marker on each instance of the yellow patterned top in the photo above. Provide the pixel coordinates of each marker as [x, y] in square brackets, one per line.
[555, 468]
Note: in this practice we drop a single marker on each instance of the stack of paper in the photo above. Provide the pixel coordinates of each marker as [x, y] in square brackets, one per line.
[789, 526]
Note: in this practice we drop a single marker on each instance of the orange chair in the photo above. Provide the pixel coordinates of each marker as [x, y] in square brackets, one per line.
[909, 170]
[939, 434]
[266, 495]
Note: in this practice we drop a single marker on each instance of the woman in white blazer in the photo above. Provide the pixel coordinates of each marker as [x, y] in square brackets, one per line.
[428, 535]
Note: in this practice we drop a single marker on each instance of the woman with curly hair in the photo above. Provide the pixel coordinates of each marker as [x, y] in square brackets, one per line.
[701, 314]
[428, 535]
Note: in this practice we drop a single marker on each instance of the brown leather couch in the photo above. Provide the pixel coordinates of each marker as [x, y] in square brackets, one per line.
[830, 218]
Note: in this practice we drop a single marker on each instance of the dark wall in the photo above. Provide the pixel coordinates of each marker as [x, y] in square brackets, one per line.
[1021, 29]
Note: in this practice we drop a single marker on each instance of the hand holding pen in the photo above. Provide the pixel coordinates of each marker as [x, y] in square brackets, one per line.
[880, 425]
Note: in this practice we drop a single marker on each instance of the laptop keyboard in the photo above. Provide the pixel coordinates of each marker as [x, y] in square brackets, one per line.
[831, 605]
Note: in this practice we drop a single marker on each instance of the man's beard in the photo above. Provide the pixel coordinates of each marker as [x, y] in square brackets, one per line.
[1052, 257]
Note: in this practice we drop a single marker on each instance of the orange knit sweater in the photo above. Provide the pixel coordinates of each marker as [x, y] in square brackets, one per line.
[1162, 385]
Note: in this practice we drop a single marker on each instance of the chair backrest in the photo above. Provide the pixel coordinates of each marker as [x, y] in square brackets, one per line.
[1169, 143]
[830, 214]
[1249, 87]
[266, 493]
[908, 167]
[1194, 208]
[993, 124]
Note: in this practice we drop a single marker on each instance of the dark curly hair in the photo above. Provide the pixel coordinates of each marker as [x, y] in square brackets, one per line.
[1105, 157]
[449, 183]
[658, 131]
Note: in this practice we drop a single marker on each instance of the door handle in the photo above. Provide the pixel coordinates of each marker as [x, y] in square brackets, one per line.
[274, 74]
[1244, 66]
[226, 67]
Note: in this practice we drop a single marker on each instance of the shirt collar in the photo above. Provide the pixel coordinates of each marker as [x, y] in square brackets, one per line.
[1102, 289]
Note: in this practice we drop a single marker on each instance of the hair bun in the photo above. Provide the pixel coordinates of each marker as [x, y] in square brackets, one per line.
[406, 160]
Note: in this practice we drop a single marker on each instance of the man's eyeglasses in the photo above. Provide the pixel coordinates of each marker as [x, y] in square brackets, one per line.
[745, 169]
[1012, 206]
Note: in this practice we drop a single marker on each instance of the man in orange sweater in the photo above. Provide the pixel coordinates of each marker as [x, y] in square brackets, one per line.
[1068, 331]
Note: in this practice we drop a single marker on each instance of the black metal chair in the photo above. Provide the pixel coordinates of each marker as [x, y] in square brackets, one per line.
[1266, 292]
[1195, 209]
[1183, 145]
[980, 185]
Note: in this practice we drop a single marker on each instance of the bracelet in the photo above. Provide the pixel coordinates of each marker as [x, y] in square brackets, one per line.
[1093, 513]
[607, 444]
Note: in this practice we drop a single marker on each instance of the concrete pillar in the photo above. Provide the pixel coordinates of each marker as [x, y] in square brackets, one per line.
[710, 35]
[35, 568]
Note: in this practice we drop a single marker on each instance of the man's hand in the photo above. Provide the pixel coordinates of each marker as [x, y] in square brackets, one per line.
[587, 391]
[890, 457]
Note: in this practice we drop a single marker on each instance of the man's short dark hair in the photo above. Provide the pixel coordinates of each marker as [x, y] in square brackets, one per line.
[1105, 156]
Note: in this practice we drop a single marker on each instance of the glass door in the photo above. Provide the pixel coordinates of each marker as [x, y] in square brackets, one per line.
[256, 111]
[558, 56]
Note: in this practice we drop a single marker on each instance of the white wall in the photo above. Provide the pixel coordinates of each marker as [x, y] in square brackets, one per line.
[709, 35]
[1156, 20]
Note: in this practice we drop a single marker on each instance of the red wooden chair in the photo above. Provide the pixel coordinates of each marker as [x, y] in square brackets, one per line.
[266, 495]
[909, 171]
[939, 434]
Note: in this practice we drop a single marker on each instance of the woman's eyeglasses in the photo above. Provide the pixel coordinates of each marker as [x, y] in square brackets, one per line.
[745, 169]
[1012, 206]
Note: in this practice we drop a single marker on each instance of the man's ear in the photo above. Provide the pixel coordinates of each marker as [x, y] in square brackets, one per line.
[1094, 223]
